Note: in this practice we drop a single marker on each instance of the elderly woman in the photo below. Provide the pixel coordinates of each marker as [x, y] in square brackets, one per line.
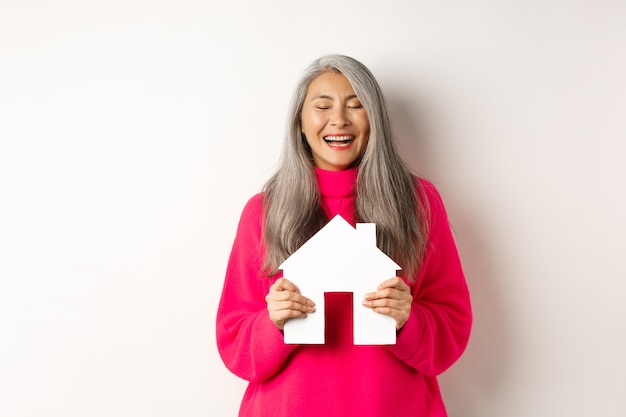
[339, 157]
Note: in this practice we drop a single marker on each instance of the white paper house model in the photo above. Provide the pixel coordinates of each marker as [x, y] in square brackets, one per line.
[340, 258]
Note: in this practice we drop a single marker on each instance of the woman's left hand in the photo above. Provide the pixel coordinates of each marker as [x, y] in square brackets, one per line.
[393, 298]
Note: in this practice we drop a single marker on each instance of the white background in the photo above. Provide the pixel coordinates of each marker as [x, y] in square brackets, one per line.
[132, 133]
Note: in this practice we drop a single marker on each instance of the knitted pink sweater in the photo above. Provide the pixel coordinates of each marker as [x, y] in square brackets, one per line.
[338, 378]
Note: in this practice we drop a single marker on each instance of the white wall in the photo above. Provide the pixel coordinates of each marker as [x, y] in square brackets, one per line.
[132, 132]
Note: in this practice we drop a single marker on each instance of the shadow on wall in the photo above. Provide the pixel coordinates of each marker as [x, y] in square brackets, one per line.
[412, 133]
[476, 378]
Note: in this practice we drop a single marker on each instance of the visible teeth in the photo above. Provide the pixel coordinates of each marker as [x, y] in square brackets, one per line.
[338, 138]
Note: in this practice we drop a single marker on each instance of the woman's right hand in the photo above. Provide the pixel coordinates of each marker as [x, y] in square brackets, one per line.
[284, 302]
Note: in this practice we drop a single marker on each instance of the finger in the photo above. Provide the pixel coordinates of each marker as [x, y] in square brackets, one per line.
[283, 284]
[290, 296]
[285, 315]
[280, 317]
[386, 303]
[283, 289]
[399, 310]
[281, 311]
[388, 311]
[290, 306]
[395, 282]
[392, 293]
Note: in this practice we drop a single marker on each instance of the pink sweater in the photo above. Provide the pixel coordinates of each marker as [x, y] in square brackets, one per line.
[338, 378]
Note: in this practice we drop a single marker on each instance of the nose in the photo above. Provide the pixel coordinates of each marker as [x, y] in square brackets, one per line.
[338, 118]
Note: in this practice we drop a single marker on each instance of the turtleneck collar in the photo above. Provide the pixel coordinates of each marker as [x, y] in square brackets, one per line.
[336, 183]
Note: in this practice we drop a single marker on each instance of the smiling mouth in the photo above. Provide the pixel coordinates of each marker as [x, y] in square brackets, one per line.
[339, 140]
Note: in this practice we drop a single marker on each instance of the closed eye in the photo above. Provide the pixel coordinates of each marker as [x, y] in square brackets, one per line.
[354, 104]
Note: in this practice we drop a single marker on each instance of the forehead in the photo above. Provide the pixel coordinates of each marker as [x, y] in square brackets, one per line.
[330, 83]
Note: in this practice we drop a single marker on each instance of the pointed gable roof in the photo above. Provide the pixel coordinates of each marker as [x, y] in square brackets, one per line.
[340, 242]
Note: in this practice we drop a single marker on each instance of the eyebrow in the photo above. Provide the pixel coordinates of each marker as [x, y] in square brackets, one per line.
[327, 97]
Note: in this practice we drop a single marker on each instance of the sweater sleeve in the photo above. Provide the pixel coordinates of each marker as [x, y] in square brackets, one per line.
[250, 345]
[438, 328]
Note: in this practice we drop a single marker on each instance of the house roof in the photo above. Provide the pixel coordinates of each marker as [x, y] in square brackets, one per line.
[338, 241]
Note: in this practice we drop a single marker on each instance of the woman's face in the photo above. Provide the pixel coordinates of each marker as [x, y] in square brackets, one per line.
[334, 122]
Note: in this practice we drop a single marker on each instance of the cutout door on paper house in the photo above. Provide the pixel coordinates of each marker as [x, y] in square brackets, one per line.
[340, 258]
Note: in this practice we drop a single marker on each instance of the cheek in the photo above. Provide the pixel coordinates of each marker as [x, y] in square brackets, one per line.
[364, 145]
[365, 130]
[313, 121]
[364, 124]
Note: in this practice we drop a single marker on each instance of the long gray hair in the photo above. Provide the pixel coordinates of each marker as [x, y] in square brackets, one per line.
[386, 193]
